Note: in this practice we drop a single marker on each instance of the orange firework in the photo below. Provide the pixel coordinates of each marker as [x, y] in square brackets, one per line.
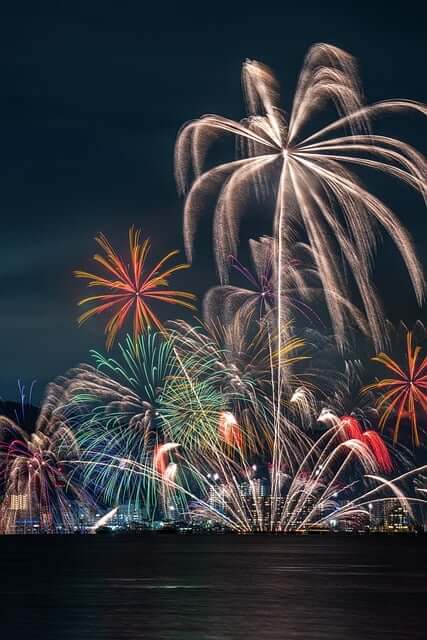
[406, 393]
[133, 287]
[229, 430]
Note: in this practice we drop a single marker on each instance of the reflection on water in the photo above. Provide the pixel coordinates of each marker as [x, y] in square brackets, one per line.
[213, 588]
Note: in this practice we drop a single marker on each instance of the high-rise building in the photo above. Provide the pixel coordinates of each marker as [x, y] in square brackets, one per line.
[397, 518]
[389, 516]
[18, 502]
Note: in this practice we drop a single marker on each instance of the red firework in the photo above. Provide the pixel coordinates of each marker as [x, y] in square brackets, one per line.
[353, 430]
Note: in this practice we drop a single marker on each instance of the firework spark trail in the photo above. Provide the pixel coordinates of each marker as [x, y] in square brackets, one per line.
[366, 497]
[134, 287]
[310, 498]
[147, 472]
[104, 520]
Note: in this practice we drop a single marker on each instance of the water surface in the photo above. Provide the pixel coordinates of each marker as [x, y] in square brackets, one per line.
[213, 588]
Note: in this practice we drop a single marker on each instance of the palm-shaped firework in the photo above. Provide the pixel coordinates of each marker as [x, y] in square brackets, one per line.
[308, 176]
[132, 287]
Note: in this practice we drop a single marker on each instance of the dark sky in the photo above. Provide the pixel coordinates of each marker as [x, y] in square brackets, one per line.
[92, 96]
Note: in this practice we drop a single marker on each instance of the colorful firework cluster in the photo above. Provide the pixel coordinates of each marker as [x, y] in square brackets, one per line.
[238, 419]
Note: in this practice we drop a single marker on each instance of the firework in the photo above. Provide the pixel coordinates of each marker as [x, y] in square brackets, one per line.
[404, 396]
[258, 298]
[311, 185]
[349, 399]
[240, 354]
[352, 429]
[335, 484]
[229, 430]
[23, 413]
[309, 178]
[101, 522]
[39, 483]
[124, 421]
[229, 369]
[116, 416]
[132, 288]
[191, 409]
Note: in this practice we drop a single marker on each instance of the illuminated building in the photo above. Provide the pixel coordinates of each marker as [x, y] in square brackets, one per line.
[18, 502]
[397, 518]
[390, 516]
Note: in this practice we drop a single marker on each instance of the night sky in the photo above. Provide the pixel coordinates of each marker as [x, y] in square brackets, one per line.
[92, 96]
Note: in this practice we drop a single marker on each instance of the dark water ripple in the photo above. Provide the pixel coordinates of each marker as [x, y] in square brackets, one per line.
[213, 588]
